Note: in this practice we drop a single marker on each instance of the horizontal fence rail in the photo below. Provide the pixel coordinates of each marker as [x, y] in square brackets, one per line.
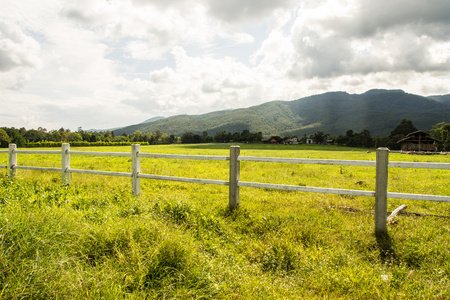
[335, 162]
[297, 188]
[177, 156]
[92, 153]
[381, 164]
[184, 179]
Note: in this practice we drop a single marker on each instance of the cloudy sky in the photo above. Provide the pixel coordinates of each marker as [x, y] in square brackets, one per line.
[110, 63]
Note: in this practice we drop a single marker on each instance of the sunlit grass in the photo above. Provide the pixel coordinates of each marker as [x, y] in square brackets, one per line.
[92, 239]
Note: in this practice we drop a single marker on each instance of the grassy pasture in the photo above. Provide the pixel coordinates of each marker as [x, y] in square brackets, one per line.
[178, 240]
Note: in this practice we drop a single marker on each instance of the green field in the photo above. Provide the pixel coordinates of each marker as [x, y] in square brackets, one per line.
[93, 240]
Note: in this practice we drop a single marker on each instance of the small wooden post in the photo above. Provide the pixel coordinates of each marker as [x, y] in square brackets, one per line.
[395, 213]
[135, 169]
[234, 177]
[12, 161]
[65, 163]
[381, 190]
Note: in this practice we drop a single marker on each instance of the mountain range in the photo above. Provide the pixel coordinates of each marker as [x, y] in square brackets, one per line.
[378, 111]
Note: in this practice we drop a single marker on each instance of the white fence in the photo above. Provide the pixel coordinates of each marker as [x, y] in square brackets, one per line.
[381, 164]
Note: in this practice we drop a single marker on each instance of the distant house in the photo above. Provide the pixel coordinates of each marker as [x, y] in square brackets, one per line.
[419, 141]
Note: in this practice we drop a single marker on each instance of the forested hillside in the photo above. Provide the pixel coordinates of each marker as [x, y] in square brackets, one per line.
[376, 110]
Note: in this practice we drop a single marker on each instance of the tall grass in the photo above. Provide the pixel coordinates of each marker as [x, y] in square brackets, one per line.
[93, 240]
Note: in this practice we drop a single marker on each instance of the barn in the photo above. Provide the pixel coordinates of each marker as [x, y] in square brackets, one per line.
[419, 141]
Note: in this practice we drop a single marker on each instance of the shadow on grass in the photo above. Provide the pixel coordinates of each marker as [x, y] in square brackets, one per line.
[384, 244]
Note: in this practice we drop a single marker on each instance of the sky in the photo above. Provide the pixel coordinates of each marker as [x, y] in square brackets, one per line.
[111, 63]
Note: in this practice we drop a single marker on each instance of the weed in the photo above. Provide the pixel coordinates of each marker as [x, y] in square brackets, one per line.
[280, 256]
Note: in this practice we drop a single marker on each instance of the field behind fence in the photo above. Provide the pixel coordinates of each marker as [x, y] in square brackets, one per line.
[94, 239]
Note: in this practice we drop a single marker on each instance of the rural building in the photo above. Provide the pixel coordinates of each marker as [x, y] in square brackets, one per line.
[292, 141]
[419, 141]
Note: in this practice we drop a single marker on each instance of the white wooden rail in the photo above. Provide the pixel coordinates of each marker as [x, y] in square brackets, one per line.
[382, 165]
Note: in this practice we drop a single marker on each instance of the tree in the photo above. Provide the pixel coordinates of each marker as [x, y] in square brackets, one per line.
[436, 133]
[381, 141]
[108, 136]
[319, 137]
[54, 135]
[4, 139]
[366, 140]
[341, 140]
[349, 138]
[16, 136]
[33, 135]
[404, 128]
[401, 131]
[220, 137]
[445, 132]
[187, 138]
[204, 136]
[158, 136]
[74, 137]
[120, 138]
[136, 136]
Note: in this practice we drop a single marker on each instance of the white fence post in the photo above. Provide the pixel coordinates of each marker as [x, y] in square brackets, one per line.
[381, 189]
[12, 162]
[234, 177]
[135, 169]
[65, 163]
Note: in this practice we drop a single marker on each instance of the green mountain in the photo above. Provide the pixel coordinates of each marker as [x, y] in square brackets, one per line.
[334, 113]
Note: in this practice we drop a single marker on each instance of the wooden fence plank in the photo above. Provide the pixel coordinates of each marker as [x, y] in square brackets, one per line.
[135, 169]
[65, 163]
[12, 161]
[234, 177]
[381, 186]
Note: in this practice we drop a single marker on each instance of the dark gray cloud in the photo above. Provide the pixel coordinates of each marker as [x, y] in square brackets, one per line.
[225, 10]
[429, 17]
[238, 10]
[162, 3]
[79, 15]
[378, 36]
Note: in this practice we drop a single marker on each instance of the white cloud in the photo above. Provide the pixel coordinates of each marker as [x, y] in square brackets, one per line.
[103, 64]
[19, 56]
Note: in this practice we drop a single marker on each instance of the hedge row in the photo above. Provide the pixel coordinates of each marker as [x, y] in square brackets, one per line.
[79, 144]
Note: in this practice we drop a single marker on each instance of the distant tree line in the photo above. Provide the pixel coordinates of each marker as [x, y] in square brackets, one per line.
[221, 137]
[41, 137]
